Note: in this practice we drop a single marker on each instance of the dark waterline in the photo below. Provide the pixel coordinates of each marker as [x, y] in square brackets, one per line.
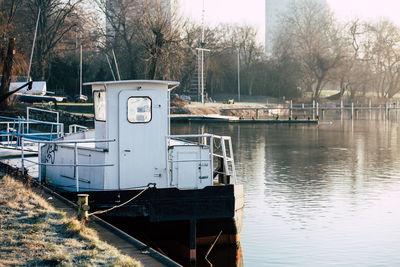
[323, 195]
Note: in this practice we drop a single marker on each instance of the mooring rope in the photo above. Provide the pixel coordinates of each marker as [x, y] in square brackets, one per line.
[120, 205]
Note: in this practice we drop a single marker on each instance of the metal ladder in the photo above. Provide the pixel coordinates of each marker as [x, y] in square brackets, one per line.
[228, 160]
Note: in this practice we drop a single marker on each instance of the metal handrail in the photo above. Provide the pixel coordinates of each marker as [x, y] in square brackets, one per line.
[74, 127]
[76, 158]
[211, 138]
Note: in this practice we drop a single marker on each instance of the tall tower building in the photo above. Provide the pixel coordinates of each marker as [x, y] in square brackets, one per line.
[273, 10]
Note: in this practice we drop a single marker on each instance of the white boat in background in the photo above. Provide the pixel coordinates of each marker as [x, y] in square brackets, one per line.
[38, 88]
[38, 92]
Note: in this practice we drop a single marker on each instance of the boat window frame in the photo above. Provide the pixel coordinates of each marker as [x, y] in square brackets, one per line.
[105, 104]
[151, 110]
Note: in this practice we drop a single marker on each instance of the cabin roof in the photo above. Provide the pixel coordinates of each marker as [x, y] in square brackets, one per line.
[133, 81]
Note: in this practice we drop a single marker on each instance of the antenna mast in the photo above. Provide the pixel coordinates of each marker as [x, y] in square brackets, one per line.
[33, 46]
[202, 26]
[201, 50]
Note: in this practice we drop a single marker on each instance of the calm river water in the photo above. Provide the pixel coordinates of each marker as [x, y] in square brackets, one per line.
[326, 195]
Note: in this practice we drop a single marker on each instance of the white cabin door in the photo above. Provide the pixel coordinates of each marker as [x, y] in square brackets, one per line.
[142, 129]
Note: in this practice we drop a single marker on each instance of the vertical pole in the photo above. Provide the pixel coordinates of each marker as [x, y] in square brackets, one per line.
[198, 76]
[370, 108]
[22, 156]
[109, 64]
[238, 68]
[192, 242]
[386, 110]
[18, 134]
[116, 64]
[341, 109]
[33, 46]
[8, 134]
[352, 110]
[39, 164]
[202, 76]
[27, 118]
[317, 111]
[83, 206]
[291, 110]
[304, 111]
[313, 110]
[76, 167]
[80, 75]
[212, 156]
[203, 11]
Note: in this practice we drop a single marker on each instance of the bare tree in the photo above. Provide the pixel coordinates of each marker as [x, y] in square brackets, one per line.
[382, 50]
[148, 33]
[8, 11]
[159, 34]
[121, 31]
[314, 42]
[57, 18]
[250, 53]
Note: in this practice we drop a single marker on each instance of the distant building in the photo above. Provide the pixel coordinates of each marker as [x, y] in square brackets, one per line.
[273, 9]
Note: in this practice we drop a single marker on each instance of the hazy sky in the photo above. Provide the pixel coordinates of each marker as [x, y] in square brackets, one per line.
[252, 11]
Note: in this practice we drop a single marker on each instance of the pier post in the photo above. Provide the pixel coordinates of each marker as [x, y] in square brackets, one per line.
[370, 109]
[352, 110]
[313, 110]
[386, 110]
[22, 156]
[341, 109]
[83, 206]
[39, 165]
[192, 242]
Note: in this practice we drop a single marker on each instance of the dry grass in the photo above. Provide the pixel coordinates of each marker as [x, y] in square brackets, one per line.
[33, 233]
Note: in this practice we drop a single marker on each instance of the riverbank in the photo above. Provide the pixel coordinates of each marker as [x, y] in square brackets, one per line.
[33, 232]
[242, 110]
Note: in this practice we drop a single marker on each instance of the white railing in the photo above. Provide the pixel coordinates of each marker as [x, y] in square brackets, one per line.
[76, 163]
[28, 109]
[74, 128]
[210, 140]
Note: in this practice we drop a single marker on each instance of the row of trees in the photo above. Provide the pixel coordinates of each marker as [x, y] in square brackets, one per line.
[357, 57]
[312, 51]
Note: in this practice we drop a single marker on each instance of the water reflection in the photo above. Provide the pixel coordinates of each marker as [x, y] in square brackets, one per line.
[317, 195]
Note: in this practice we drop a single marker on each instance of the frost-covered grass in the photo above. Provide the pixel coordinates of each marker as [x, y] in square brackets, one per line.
[33, 233]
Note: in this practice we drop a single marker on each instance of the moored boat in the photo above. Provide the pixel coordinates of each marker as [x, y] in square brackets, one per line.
[131, 166]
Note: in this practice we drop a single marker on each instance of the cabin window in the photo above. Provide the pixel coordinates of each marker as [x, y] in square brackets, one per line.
[99, 100]
[139, 109]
